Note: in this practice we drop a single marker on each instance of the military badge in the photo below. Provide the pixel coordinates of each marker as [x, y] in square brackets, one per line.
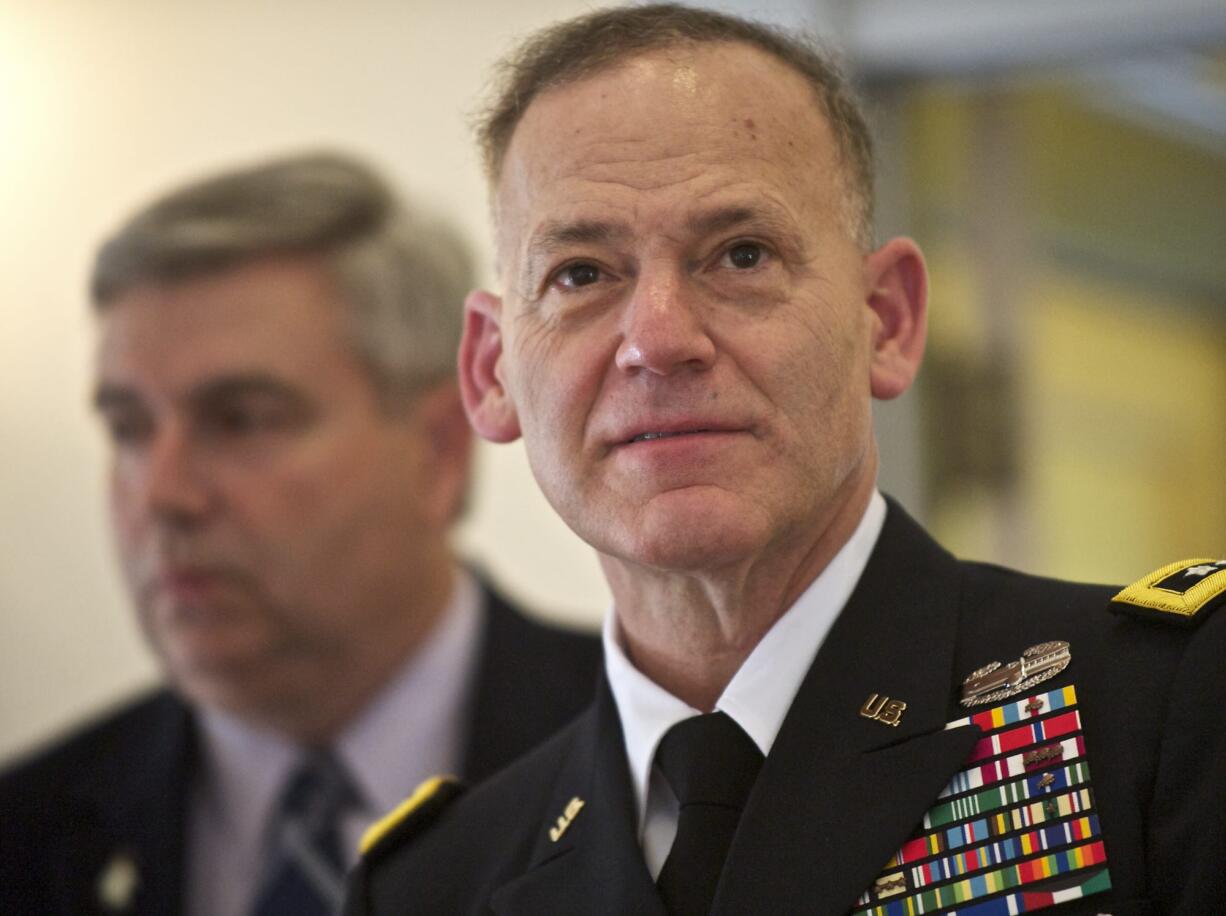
[995, 682]
[1015, 831]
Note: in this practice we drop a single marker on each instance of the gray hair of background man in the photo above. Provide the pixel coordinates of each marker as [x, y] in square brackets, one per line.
[404, 274]
[582, 47]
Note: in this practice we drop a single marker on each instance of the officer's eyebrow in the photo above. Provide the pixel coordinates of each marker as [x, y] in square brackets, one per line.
[722, 219]
[558, 233]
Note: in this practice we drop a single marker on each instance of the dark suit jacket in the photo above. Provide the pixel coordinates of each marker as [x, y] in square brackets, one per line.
[839, 792]
[120, 787]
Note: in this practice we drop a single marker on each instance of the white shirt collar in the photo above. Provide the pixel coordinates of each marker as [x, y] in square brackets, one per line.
[414, 728]
[761, 692]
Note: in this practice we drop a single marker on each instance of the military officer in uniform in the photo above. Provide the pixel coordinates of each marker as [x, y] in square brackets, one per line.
[809, 706]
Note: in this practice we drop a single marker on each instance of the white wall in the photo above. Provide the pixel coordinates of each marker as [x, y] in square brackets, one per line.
[104, 104]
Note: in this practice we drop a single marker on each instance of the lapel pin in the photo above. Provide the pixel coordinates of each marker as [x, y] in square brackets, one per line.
[117, 883]
[881, 708]
[995, 682]
[573, 807]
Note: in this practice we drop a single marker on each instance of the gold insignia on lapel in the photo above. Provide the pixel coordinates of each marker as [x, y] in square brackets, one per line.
[573, 807]
[995, 682]
[881, 708]
[117, 883]
[1183, 592]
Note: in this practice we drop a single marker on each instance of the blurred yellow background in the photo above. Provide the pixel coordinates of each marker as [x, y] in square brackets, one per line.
[1074, 402]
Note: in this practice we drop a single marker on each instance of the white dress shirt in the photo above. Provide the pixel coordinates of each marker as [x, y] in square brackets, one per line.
[414, 729]
[758, 696]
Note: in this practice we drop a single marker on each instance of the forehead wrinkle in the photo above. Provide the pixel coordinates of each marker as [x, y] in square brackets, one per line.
[647, 172]
[734, 216]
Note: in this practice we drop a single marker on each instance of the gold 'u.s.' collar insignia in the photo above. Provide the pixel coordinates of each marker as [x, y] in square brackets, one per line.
[995, 682]
[881, 708]
[1183, 593]
[573, 807]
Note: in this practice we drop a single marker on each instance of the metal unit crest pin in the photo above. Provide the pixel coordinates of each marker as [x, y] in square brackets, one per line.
[994, 682]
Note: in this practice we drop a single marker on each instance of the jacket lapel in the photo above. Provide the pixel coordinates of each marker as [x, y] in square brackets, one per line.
[128, 848]
[595, 865]
[839, 791]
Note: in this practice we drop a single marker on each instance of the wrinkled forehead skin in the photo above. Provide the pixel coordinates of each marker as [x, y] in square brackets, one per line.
[703, 118]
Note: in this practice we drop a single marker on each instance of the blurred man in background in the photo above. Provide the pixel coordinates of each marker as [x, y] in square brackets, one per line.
[276, 373]
[811, 707]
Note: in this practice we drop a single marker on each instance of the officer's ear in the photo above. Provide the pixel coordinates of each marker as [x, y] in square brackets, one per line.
[896, 284]
[486, 401]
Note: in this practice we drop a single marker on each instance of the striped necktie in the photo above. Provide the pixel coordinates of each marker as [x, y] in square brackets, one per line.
[305, 875]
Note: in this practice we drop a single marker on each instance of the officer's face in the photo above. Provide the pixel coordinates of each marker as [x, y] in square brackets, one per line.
[684, 340]
[271, 513]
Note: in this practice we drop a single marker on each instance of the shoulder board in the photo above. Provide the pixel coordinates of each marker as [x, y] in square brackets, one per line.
[1183, 593]
[411, 816]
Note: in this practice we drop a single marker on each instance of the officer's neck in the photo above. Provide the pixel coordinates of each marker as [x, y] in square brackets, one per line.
[691, 631]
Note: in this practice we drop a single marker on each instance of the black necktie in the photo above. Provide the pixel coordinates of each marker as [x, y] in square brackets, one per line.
[305, 874]
[710, 764]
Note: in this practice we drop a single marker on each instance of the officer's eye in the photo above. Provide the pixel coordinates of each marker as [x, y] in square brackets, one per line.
[745, 255]
[575, 275]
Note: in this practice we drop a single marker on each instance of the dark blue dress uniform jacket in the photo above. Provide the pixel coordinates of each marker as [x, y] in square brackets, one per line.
[839, 793]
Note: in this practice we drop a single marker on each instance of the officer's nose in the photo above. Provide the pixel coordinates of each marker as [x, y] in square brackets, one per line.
[662, 328]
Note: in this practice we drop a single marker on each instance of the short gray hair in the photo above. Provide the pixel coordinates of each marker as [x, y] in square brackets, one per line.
[582, 47]
[404, 274]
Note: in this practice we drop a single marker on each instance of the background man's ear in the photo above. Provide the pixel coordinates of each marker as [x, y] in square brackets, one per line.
[896, 281]
[486, 401]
